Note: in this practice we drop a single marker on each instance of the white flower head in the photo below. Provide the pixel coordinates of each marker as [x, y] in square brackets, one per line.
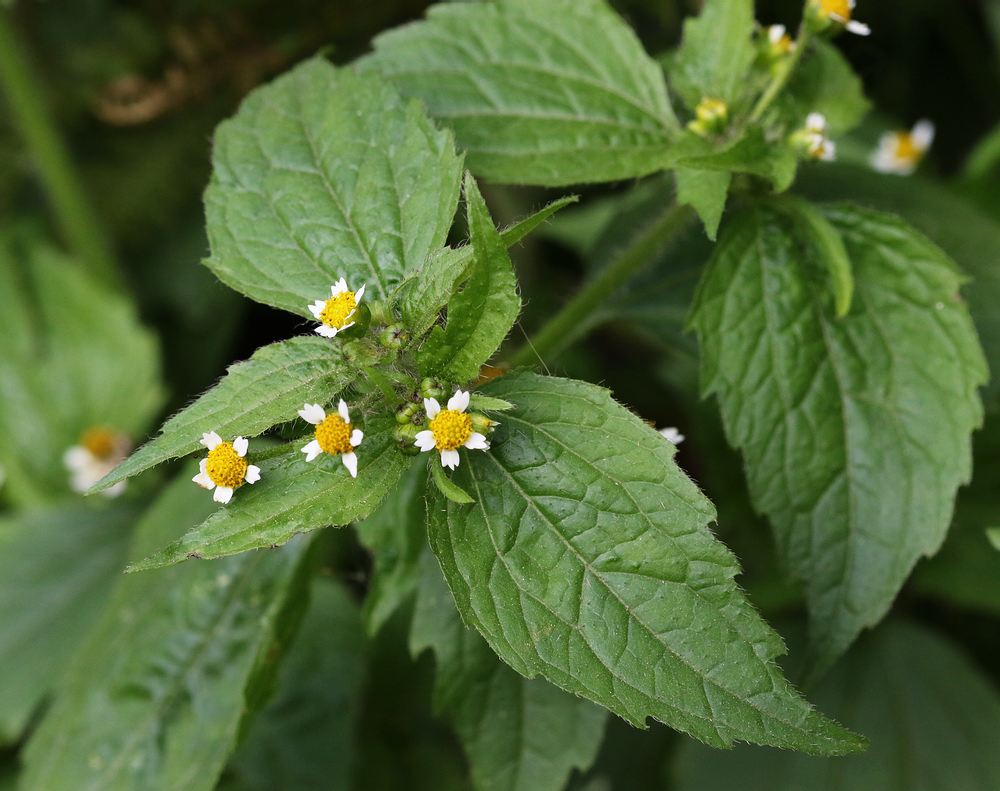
[781, 43]
[335, 313]
[672, 435]
[450, 429]
[812, 138]
[225, 469]
[839, 12]
[901, 152]
[334, 435]
[99, 450]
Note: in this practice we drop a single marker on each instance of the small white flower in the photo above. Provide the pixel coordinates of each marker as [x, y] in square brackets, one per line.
[901, 152]
[334, 313]
[672, 434]
[781, 43]
[99, 451]
[225, 469]
[334, 435]
[449, 429]
[814, 140]
[839, 11]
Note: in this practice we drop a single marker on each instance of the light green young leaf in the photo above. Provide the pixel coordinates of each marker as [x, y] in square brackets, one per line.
[60, 376]
[57, 567]
[716, 53]
[310, 185]
[155, 697]
[932, 717]
[293, 496]
[551, 93]
[254, 395]
[587, 559]
[518, 734]
[431, 288]
[482, 313]
[706, 191]
[855, 431]
[304, 739]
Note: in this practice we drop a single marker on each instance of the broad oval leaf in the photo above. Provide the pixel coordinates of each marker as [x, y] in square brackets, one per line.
[293, 496]
[529, 101]
[587, 559]
[310, 185]
[253, 396]
[855, 431]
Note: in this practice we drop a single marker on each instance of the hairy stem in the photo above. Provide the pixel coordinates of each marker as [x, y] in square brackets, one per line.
[33, 120]
[574, 319]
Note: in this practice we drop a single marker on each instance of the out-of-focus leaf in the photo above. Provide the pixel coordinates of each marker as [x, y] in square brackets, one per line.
[551, 93]
[706, 191]
[855, 430]
[57, 567]
[587, 559]
[930, 714]
[155, 697]
[823, 83]
[310, 185]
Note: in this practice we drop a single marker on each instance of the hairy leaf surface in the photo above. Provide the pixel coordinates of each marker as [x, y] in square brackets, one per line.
[310, 185]
[587, 559]
[529, 101]
[855, 431]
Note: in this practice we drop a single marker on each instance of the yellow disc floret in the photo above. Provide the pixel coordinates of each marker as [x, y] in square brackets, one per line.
[334, 435]
[906, 147]
[836, 8]
[451, 429]
[338, 309]
[225, 467]
[102, 442]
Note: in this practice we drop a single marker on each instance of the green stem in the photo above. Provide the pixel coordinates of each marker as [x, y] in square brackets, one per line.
[36, 125]
[575, 317]
[782, 75]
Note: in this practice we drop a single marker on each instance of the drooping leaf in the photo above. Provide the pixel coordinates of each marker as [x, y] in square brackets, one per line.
[155, 697]
[855, 431]
[549, 93]
[518, 734]
[74, 356]
[482, 313]
[716, 53]
[57, 567]
[304, 738]
[253, 396]
[706, 191]
[310, 185]
[587, 559]
[431, 288]
[293, 496]
[931, 716]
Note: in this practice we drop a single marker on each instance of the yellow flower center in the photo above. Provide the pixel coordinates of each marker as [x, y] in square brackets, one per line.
[906, 149]
[225, 467]
[338, 309]
[334, 435]
[451, 429]
[841, 9]
[783, 45]
[101, 442]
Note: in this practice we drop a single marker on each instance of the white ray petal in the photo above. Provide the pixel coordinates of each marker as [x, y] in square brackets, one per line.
[312, 413]
[325, 331]
[356, 436]
[459, 402]
[431, 407]
[450, 459]
[312, 450]
[477, 441]
[223, 494]
[203, 480]
[240, 445]
[252, 474]
[425, 440]
[211, 440]
[351, 462]
[342, 409]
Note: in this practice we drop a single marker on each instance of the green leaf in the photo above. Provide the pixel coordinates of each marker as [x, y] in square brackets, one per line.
[57, 567]
[478, 401]
[587, 559]
[855, 431]
[431, 288]
[751, 153]
[518, 734]
[931, 715]
[824, 82]
[310, 185]
[445, 485]
[706, 191]
[395, 535]
[304, 739]
[74, 356]
[293, 496]
[549, 93]
[482, 313]
[254, 395]
[716, 53]
[155, 697]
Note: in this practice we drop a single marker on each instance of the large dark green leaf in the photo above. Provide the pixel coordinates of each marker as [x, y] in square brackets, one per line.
[587, 559]
[855, 431]
[326, 173]
[551, 93]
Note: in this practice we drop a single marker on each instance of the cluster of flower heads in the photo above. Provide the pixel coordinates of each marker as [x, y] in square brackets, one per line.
[226, 467]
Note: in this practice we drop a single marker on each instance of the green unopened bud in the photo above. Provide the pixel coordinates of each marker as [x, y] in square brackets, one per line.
[482, 424]
[711, 117]
[406, 436]
[432, 388]
[393, 336]
[406, 412]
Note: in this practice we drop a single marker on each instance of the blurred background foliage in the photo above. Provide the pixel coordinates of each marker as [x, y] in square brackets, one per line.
[134, 90]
